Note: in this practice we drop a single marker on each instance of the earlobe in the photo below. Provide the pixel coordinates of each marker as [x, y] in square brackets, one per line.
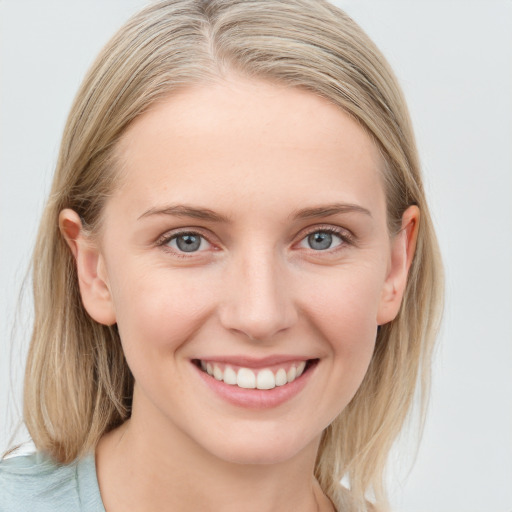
[91, 271]
[402, 253]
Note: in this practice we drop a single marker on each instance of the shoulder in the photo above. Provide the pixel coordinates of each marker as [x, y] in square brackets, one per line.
[36, 482]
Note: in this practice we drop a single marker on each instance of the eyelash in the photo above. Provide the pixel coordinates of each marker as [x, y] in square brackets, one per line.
[345, 236]
[167, 238]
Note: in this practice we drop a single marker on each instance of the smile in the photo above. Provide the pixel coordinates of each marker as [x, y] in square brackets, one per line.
[246, 378]
[256, 384]
[262, 378]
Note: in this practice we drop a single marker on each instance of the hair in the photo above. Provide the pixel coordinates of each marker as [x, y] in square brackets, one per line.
[77, 384]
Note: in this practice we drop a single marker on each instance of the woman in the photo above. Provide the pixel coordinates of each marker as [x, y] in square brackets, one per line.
[237, 284]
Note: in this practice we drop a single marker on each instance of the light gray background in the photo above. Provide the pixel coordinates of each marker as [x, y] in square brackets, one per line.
[454, 60]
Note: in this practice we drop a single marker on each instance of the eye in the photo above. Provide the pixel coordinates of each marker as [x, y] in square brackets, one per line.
[187, 242]
[322, 240]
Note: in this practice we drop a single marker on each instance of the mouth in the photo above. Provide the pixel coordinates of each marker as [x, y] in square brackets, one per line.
[264, 378]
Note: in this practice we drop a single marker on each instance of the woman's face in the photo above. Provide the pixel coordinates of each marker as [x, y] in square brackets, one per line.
[247, 239]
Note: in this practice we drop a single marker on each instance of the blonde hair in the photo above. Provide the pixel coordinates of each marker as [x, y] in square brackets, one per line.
[77, 384]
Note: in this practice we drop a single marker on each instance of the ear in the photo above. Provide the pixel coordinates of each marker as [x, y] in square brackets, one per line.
[403, 246]
[90, 266]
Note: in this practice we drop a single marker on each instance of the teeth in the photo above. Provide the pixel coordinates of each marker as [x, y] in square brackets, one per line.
[217, 373]
[281, 378]
[248, 379]
[230, 376]
[292, 374]
[265, 380]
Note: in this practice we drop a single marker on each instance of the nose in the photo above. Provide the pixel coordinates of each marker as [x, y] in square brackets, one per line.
[257, 299]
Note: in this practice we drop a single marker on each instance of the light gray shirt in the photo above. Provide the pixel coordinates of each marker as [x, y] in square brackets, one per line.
[35, 483]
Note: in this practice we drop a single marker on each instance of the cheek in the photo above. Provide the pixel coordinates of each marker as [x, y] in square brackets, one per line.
[344, 311]
[159, 311]
[345, 305]
[338, 310]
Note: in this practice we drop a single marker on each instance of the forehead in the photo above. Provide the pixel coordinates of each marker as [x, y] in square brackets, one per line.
[253, 138]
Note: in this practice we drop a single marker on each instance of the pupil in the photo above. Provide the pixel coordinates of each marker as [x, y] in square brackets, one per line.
[320, 240]
[188, 243]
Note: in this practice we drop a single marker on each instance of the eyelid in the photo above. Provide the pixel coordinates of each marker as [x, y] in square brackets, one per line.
[346, 235]
[164, 239]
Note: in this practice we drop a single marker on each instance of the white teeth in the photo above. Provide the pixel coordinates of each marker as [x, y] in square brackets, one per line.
[246, 379]
[217, 373]
[230, 376]
[265, 380]
[281, 379]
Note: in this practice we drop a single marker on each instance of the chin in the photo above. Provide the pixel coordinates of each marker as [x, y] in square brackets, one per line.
[263, 448]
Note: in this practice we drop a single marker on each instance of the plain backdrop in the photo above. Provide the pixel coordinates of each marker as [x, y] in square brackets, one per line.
[454, 61]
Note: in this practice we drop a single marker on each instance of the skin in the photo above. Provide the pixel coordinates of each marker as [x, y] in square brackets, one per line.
[254, 153]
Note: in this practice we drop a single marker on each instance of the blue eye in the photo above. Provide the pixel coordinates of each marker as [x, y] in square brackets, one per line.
[322, 240]
[188, 242]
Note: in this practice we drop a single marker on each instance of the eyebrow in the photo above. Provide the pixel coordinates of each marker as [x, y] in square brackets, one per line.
[328, 210]
[182, 210]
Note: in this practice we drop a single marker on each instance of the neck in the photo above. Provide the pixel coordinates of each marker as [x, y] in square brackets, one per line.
[136, 473]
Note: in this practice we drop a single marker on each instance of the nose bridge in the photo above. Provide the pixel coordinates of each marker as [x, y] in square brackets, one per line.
[257, 301]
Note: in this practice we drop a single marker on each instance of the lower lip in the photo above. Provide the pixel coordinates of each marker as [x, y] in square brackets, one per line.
[256, 398]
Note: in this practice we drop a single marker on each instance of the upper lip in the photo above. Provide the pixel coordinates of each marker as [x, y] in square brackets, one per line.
[255, 362]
